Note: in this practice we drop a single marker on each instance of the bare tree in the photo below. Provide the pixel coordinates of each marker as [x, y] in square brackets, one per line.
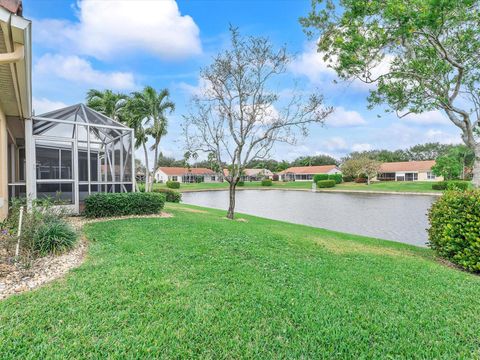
[237, 117]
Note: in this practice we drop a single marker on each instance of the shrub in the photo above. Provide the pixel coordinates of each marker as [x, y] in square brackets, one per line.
[326, 183]
[360, 180]
[141, 187]
[118, 204]
[173, 184]
[170, 195]
[441, 185]
[336, 177]
[348, 178]
[458, 185]
[455, 228]
[451, 185]
[267, 182]
[241, 183]
[320, 177]
[54, 236]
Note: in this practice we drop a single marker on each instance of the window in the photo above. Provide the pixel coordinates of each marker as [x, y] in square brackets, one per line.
[174, 178]
[411, 176]
[213, 178]
[430, 176]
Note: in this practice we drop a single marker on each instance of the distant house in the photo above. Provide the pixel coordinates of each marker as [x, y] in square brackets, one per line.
[253, 174]
[306, 173]
[408, 171]
[186, 175]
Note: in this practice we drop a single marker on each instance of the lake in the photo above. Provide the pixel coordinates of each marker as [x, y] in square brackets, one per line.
[401, 218]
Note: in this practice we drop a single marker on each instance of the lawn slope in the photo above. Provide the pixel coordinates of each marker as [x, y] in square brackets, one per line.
[200, 286]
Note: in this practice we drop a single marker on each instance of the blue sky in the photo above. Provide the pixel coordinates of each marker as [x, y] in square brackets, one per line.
[124, 45]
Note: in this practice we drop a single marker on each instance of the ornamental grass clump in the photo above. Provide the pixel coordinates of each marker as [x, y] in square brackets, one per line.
[454, 231]
[53, 236]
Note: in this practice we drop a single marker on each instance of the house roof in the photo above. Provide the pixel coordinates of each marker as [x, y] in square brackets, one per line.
[14, 6]
[252, 172]
[179, 171]
[407, 166]
[321, 169]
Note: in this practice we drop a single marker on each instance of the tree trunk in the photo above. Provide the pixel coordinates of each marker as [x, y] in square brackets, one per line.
[231, 204]
[476, 166]
[155, 160]
[147, 170]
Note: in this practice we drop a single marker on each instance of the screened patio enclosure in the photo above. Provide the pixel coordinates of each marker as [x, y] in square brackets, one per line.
[78, 151]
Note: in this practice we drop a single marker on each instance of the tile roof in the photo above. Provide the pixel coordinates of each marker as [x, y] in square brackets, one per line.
[407, 166]
[179, 171]
[321, 169]
[14, 6]
[252, 172]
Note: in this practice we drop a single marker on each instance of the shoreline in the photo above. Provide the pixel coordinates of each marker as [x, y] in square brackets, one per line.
[374, 192]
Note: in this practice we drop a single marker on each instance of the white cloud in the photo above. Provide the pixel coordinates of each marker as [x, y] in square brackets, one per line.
[362, 147]
[311, 64]
[44, 105]
[79, 70]
[345, 118]
[105, 29]
[427, 118]
[335, 144]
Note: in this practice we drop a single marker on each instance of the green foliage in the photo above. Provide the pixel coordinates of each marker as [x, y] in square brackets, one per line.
[455, 228]
[267, 182]
[316, 160]
[170, 194]
[448, 166]
[458, 185]
[440, 185]
[319, 177]
[337, 177]
[106, 102]
[241, 183]
[325, 184]
[173, 184]
[119, 204]
[53, 236]
[452, 164]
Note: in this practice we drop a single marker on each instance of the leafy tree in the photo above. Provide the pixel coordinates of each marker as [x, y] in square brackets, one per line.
[106, 102]
[239, 116]
[428, 151]
[169, 161]
[361, 165]
[448, 166]
[379, 155]
[315, 160]
[428, 49]
[153, 106]
[452, 165]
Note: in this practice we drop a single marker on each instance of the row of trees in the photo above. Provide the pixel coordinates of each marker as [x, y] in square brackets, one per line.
[145, 111]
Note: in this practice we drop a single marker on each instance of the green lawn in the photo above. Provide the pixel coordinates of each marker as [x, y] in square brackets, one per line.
[406, 186]
[200, 286]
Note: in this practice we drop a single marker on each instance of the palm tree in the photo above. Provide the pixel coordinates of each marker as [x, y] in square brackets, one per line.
[106, 102]
[153, 105]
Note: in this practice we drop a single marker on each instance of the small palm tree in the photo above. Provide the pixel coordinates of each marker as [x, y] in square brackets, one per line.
[153, 106]
[106, 102]
[135, 120]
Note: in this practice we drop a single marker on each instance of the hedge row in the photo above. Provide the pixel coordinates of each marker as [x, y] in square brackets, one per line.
[454, 231]
[119, 204]
[170, 194]
[336, 177]
[325, 184]
[451, 185]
